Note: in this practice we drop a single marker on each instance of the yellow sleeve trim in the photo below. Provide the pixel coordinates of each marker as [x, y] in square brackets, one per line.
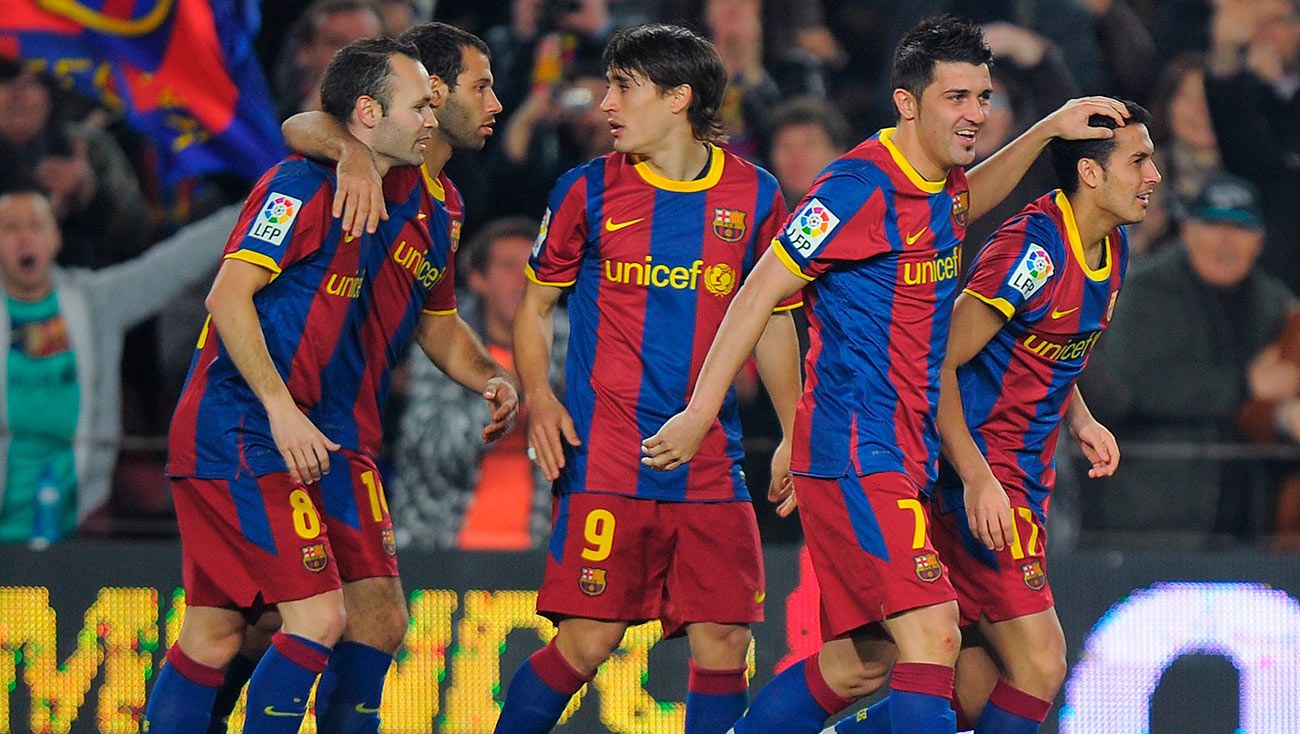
[1001, 304]
[532, 275]
[779, 248]
[432, 312]
[791, 307]
[258, 259]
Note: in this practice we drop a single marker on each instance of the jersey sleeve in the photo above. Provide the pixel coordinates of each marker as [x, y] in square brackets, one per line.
[769, 229]
[1015, 267]
[441, 300]
[840, 220]
[561, 242]
[284, 220]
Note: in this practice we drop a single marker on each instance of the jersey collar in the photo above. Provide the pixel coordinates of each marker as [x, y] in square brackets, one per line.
[913, 175]
[716, 162]
[1102, 272]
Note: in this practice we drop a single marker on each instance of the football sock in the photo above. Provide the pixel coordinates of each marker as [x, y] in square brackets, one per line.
[356, 676]
[181, 699]
[1012, 711]
[538, 693]
[920, 699]
[237, 674]
[715, 699]
[277, 693]
[797, 701]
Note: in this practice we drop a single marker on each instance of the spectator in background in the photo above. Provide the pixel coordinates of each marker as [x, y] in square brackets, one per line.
[736, 28]
[326, 27]
[1187, 151]
[90, 184]
[61, 371]
[452, 490]
[397, 16]
[1253, 90]
[1184, 354]
[806, 135]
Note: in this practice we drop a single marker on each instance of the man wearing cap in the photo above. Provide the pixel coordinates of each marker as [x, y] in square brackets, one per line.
[1196, 342]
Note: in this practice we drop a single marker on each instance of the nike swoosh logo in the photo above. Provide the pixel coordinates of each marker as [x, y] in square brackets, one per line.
[1058, 314]
[911, 239]
[270, 711]
[361, 709]
[421, 215]
[759, 597]
[612, 226]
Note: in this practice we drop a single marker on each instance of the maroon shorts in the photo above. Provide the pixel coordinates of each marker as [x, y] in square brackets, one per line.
[625, 559]
[869, 543]
[999, 585]
[263, 540]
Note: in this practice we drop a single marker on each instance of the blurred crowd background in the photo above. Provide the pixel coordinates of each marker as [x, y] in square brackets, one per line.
[1199, 377]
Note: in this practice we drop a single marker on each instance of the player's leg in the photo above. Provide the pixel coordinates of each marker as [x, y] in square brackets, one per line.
[282, 681]
[1032, 649]
[717, 690]
[976, 675]
[257, 638]
[182, 696]
[541, 688]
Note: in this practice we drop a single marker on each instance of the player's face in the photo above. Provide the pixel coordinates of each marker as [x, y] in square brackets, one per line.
[952, 111]
[407, 126]
[1221, 254]
[1130, 175]
[640, 116]
[501, 284]
[466, 118]
[29, 240]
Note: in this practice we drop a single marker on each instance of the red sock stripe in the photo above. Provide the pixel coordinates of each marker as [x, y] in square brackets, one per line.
[822, 693]
[925, 678]
[722, 682]
[1015, 701]
[300, 652]
[194, 670]
[556, 672]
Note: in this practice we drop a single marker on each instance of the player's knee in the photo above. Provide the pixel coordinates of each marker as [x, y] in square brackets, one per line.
[587, 651]
[856, 678]
[721, 646]
[1049, 668]
[387, 627]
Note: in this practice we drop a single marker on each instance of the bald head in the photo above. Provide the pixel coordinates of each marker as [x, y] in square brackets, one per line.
[29, 240]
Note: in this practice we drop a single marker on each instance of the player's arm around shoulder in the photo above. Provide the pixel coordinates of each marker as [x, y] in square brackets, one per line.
[455, 349]
[359, 192]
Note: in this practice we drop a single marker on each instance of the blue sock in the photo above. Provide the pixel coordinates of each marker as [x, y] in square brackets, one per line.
[715, 699]
[798, 701]
[921, 696]
[871, 720]
[181, 699]
[277, 693]
[538, 693]
[355, 677]
[237, 674]
[1012, 711]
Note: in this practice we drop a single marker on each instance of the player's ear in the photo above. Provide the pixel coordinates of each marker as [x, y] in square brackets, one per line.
[1090, 172]
[680, 98]
[907, 104]
[367, 111]
[440, 90]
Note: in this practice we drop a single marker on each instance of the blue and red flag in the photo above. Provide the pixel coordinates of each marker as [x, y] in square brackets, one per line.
[182, 71]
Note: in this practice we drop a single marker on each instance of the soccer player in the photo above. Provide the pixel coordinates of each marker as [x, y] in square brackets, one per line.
[875, 245]
[289, 378]
[651, 242]
[461, 82]
[1037, 298]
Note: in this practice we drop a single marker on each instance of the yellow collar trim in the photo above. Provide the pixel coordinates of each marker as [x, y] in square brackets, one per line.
[433, 184]
[714, 175]
[1076, 245]
[913, 175]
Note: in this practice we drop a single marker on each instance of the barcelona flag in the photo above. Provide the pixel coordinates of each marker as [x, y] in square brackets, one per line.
[182, 71]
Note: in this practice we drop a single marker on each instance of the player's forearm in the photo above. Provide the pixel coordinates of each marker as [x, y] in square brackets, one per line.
[955, 438]
[777, 355]
[1078, 414]
[455, 349]
[533, 333]
[318, 135]
[994, 179]
[241, 334]
[738, 334]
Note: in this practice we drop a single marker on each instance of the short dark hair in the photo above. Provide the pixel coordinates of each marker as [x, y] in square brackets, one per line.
[478, 254]
[441, 49]
[812, 111]
[669, 56]
[1066, 154]
[941, 38]
[359, 69]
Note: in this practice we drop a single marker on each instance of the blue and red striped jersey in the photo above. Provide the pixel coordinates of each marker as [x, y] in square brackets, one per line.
[881, 248]
[1017, 389]
[336, 316]
[653, 264]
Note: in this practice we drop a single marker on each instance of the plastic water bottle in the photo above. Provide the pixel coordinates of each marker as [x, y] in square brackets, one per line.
[45, 528]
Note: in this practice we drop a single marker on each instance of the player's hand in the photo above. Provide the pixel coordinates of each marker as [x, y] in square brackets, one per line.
[989, 512]
[359, 196]
[503, 400]
[676, 442]
[781, 489]
[1070, 121]
[305, 449]
[548, 424]
[1099, 446]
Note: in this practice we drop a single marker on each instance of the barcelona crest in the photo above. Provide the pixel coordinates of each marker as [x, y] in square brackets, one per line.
[928, 567]
[1034, 576]
[729, 224]
[314, 557]
[592, 581]
[390, 544]
[960, 207]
